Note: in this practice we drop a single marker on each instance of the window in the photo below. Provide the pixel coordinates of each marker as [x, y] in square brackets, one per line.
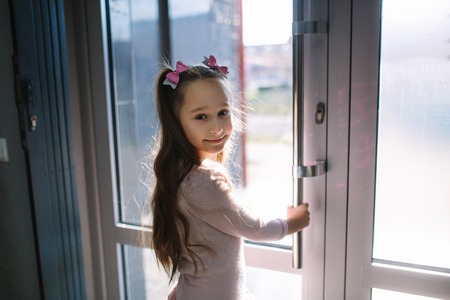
[412, 191]
[135, 58]
[196, 30]
[398, 195]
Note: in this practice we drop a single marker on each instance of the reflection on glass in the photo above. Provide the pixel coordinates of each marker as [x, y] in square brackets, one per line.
[134, 32]
[378, 294]
[143, 277]
[412, 220]
[267, 284]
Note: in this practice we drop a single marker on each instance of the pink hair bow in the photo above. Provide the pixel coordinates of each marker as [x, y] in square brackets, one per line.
[212, 63]
[172, 78]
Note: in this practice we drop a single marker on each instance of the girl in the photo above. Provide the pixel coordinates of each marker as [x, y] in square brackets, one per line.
[198, 227]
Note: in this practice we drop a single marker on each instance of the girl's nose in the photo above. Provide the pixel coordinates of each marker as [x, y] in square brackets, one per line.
[217, 127]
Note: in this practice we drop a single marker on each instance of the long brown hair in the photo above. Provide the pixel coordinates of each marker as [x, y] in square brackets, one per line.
[175, 159]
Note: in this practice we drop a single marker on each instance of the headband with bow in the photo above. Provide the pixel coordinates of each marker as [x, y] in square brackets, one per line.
[172, 78]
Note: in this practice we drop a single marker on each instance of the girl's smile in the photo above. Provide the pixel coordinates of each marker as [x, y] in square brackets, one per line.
[217, 140]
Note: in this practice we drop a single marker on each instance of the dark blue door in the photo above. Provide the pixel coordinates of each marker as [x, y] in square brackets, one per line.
[42, 93]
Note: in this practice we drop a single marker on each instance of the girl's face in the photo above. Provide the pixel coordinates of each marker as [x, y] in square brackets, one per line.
[205, 116]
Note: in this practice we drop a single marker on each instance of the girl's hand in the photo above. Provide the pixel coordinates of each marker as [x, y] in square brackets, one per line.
[297, 218]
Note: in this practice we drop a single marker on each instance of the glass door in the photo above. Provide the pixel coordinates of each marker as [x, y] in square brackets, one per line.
[140, 35]
[135, 35]
[399, 197]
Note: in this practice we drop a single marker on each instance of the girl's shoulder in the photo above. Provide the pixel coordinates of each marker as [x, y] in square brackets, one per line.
[207, 188]
[212, 169]
[209, 175]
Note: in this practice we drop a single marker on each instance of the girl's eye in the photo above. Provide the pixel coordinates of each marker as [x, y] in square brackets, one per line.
[200, 117]
[224, 112]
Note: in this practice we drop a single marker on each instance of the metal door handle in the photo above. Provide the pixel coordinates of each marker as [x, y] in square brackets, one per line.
[318, 169]
[302, 29]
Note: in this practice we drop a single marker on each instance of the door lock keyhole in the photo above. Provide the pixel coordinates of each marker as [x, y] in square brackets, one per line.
[320, 113]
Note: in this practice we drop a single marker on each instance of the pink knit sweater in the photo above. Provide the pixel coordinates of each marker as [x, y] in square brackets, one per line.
[218, 221]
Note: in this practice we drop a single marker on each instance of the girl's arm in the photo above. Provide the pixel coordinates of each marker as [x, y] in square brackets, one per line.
[297, 218]
[208, 197]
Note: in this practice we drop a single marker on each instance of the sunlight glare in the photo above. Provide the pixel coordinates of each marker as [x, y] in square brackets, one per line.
[266, 22]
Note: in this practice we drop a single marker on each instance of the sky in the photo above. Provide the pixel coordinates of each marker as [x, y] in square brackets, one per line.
[266, 21]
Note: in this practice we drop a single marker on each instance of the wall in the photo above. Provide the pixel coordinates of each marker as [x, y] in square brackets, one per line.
[18, 261]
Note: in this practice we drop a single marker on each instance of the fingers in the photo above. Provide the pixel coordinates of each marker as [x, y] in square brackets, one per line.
[298, 217]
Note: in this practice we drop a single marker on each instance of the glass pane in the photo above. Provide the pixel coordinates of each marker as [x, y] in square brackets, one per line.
[202, 27]
[266, 284]
[134, 32]
[412, 221]
[378, 294]
[143, 278]
[268, 91]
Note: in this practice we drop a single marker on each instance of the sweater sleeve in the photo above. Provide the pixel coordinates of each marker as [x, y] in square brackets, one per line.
[208, 197]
